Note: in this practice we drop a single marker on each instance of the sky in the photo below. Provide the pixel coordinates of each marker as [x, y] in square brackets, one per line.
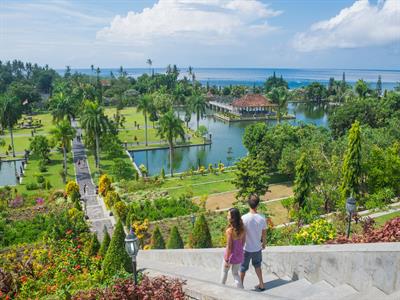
[361, 34]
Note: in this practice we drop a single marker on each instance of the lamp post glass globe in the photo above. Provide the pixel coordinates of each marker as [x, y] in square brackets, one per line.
[132, 245]
[351, 205]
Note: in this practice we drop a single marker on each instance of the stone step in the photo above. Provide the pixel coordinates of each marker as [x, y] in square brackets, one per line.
[300, 289]
[394, 296]
[210, 275]
[337, 292]
[372, 293]
[203, 290]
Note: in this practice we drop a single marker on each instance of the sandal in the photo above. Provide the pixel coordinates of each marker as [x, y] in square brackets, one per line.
[257, 288]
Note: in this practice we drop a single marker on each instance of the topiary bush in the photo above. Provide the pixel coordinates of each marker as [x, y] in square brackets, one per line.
[116, 259]
[157, 240]
[200, 236]
[111, 198]
[175, 240]
[72, 191]
[93, 245]
[105, 243]
[104, 185]
[121, 210]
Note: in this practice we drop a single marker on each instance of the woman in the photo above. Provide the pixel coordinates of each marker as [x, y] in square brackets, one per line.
[235, 237]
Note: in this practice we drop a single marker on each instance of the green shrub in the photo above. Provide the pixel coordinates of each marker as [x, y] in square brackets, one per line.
[93, 246]
[105, 243]
[42, 166]
[121, 210]
[32, 186]
[111, 198]
[380, 199]
[175, 240]
[157, 240]
[317, 233]
[200, 237]
[47, 185]
[162, 173]
[116, 259]
[40, 179]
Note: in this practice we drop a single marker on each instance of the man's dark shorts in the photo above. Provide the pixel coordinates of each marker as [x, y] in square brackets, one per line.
[255, 257]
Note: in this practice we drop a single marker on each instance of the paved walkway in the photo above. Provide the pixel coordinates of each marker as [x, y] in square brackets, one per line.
[98, 216]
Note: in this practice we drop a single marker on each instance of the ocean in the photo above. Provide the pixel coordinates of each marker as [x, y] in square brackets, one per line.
[257, 76]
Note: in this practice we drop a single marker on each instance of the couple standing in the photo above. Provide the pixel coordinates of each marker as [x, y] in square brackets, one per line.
[245, 239]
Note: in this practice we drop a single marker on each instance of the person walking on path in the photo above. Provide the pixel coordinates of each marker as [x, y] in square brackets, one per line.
[84, 189]
[233, 256]
[255, 227]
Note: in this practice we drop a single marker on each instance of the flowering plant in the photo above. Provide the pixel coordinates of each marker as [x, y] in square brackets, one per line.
[317, 233]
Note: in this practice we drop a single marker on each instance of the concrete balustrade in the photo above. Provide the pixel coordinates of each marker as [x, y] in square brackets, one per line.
[361, 266]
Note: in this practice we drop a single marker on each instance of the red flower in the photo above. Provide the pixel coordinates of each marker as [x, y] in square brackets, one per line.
[69, 231]
[77, 267]
[79, 246]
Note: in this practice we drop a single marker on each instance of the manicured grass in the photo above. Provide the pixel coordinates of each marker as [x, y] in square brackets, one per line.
[380, 221]
[52, 174]
[106, 165]
[128, 133]
[22, 142]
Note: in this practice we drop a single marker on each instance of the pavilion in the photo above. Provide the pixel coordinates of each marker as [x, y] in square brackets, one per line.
[249, 105]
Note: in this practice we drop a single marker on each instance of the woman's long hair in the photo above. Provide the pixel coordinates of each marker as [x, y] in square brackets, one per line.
[235, 220]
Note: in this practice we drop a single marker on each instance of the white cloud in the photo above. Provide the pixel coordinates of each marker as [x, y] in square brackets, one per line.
[202, 21]
[360, 25]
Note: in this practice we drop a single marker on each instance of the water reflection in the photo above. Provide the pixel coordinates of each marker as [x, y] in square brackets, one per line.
[8, 172]
[227, 144]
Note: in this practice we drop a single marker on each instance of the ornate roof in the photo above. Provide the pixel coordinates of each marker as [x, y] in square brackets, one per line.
[252, 100]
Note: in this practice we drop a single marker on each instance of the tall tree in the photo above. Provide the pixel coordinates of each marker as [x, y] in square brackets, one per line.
[251, 177]
[62, 106]
[64, 133]
[279, 96]
[379, 86]
[351, 170]
[198, 104]
[146, 106]
[302, 182]
[361, 88]
[150, 63]
[95, 123]
[10, 113]
[170, 127]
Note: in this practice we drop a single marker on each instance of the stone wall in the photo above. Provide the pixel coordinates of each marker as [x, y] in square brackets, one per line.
[359, 265]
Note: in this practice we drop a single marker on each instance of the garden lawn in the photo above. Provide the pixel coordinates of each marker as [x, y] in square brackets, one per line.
[380, 221]
[52, 174]
[106, 165]
[128, 133]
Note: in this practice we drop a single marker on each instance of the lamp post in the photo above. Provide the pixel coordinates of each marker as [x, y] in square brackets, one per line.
[192, 219]
[132, 248]
[350, 208]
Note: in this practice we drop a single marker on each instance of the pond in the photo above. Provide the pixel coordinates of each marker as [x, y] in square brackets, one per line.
[226, 144]
[8, 170]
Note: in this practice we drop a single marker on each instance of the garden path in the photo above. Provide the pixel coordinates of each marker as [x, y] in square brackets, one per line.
[96, 212]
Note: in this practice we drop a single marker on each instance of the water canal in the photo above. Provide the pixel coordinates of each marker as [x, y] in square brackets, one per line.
[226, 144]
[8, 169]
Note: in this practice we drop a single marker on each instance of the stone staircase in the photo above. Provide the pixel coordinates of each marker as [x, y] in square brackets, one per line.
[200, 269]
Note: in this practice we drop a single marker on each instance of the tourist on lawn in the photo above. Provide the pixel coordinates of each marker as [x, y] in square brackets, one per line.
[255, 227]
[233, 257]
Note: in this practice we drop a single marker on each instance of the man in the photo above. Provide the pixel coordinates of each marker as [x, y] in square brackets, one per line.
[255, 226]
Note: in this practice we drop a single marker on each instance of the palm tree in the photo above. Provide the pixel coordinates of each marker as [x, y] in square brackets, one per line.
[64, 133]
[10, 113]
[95, 123]
[170, 128]
[279, 96]
[150, 63]
[146, 106]
[62, 107]
[198, 104]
